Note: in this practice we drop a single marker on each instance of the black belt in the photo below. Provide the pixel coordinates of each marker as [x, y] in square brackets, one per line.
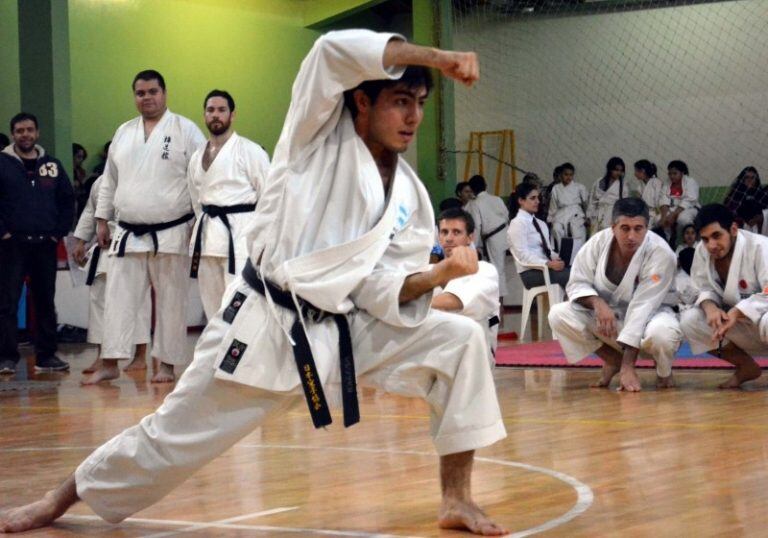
[92, 266]
[486, 237]
[302, 353]
[220, 212]
[152, 229]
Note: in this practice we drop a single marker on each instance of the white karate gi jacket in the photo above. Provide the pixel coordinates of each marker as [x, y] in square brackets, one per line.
[479, 296]
[653, 196]
[640, 293]
[236, 176]
[764, 229]
[86, 228]
[688, 200]
[323, 228]
[601, 202]
[145, 182]
[489, 212]
[746, 287]
[567, 204]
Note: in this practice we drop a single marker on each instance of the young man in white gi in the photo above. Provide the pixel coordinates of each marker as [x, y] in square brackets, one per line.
[730, 269]
[96, 263]
[491, 220]
[568, 203]
[342, 230]
[225, 179]
[475, 296]
[144, 188]
[618, 283]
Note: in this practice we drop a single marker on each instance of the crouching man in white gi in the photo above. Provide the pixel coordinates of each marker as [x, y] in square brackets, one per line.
[341, 235]
[730, 269]
[97, 263]
[225, 179]
[477, 295]
[144, 188]
[618, 282]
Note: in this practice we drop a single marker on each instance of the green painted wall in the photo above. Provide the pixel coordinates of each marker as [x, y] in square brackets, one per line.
[250, 48]
[9, 62]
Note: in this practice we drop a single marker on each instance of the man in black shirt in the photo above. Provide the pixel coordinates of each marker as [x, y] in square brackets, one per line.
[36, 210]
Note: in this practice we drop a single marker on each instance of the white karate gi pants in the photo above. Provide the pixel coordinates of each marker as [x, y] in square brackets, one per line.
[686, 217]
[213, 278]
[576, 329]
[96, 314]
[129, 280]
[578, 234]
[750, 338]
[496, 247]
[443, 361]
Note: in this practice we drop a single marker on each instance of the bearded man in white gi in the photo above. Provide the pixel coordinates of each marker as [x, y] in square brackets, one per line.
[475, 296]
[342, 233]
[491, 218]
[730, 269]
[144, 188]
[96, 264]
[225, 179]
[618, 283]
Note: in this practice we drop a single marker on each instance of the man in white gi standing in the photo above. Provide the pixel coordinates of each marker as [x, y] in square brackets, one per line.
[730, 269]
[225, 178]
[144, 188]
[617, 285]
[475, 296]
[342, 234]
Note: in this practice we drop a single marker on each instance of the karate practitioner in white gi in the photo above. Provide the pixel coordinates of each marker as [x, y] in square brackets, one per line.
[347, 226]
[97, 263]
[606, 190]
[491, 218]
[475, 296]
[681, 204]
[618, 283]
[653, 190]
[225, 179]
[568, 203]
[730, 269]
[144, 188]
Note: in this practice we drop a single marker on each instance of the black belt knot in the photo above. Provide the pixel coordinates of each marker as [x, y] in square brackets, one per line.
[302, 352]
[143, 229]
[221, 212]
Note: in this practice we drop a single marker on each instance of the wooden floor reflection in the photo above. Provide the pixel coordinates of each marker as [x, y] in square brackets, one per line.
[684, 462]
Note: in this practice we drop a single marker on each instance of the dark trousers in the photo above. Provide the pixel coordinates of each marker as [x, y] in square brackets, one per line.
[38, 261]
[534, 277]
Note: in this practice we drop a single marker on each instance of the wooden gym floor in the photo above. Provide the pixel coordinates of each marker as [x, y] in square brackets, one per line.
[577, 462]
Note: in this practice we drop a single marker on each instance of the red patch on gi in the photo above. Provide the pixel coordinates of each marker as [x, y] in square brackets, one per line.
[743, 284]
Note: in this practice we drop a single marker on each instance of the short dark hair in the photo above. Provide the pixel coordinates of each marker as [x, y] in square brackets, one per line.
[459, 187]
[147, 75]
[23, 116]
[458, 214]
[477, 184]
[77, 147]
[414, 76]
[524, 189]
[646, 166]
[449, 203]
[630, 207]
[567, 166]
[220, 93]
[712, 213]
[679, 166]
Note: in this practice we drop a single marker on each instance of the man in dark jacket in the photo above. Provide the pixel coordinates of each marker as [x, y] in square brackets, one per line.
[36, 210]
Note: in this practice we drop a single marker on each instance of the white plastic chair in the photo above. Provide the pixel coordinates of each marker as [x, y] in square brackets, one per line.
[553, 291]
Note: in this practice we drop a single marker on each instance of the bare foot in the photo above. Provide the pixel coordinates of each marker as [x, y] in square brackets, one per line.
[136, 365]
[105, 373]
[455, 514]
[665, 382]
[628, 380]
[607, 374]
[164, 374]
[31, 516]
[745, 372]
[93, 367]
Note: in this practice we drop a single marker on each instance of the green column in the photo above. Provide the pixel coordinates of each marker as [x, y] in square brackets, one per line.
[44, 72]
[433, 26]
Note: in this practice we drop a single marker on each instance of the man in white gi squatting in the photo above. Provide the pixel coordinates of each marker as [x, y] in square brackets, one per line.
[144, 188]
[341, 232]
[225, 179]
[475, 296]
[618, 282]
[730, 269]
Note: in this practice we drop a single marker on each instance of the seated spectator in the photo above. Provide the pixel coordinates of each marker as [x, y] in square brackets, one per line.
[682, 204]
[689, 238]
[686, 292]
[529, 177]
[653, 190]
[475, 296]
[528, 239]
[753, 217]
[464, 192]
[606, 191]
[745, 188]
[567, 210]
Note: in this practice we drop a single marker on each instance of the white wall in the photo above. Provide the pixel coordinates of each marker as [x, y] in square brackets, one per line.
[685, 83]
